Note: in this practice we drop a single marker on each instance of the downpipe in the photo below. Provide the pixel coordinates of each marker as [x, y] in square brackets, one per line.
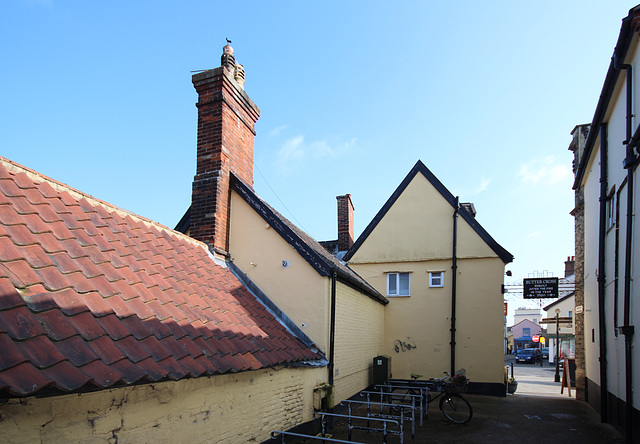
[454, 276]
[602, 277]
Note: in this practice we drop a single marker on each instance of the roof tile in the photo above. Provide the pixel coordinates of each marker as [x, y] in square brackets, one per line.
[101, 375]
[42, 353]
[76, 350]
[91, 297]
[151, 369]
[114, 327]
[87, 326]
[24, 379]
[9, 296]
[136, 326]
[132, 349]
[106, 350]
[66, 376]
[19, 324]
[69, 301]
[11, 354]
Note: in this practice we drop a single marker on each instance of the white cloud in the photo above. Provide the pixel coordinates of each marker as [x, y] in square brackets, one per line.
[297, 151]
[276, 131]
[547, 171]
[483, 186]
[533, 235]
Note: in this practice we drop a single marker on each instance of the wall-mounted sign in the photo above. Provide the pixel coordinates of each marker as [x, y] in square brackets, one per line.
[540, 288]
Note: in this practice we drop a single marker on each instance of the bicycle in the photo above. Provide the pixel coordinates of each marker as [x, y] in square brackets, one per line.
[452, 404]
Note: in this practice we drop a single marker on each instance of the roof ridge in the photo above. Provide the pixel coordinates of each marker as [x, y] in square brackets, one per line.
[76, 194]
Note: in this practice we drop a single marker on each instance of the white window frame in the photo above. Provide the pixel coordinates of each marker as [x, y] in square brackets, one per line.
[435, 275]
[611, 209]
[395, 275]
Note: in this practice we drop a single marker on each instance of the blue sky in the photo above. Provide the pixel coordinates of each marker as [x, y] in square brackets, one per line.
[98, 95]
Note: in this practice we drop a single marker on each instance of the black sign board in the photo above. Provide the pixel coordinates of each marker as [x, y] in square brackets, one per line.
[540, 288]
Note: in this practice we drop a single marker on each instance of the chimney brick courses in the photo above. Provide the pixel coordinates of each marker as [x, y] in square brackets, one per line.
[345, 222]
[226, 121]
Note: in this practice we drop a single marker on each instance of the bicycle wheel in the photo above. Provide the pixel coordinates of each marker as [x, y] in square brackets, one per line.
[456, 408]
[404, 400]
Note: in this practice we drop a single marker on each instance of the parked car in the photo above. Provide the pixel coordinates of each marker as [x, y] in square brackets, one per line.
[545, 352]
[528, 355]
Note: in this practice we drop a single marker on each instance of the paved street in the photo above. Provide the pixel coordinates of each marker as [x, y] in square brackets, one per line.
[536, 413]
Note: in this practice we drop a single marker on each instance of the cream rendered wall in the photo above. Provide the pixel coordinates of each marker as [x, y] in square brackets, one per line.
[426, 219]
[616, 178]
[591, 215]
[239, 408]
[299, 291]
[359, 336]
[415, 236]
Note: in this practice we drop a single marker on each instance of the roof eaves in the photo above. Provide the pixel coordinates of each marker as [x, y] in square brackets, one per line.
[275, 221]
[383, 211]
[564, 298]
[271, 306]
[611, 79]
[420, 167]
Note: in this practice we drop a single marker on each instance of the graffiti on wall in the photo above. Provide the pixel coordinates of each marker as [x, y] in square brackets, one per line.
[404, 346]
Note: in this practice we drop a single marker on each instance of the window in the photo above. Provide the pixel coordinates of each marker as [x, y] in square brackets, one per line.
[526, 332]
[398, 284]
[436, 279]
[611, 213]
[611, 209]
[570, 313]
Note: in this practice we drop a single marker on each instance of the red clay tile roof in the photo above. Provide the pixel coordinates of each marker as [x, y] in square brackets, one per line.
[93, 297]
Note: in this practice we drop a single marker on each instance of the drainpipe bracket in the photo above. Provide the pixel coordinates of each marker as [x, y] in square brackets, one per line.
[629, 161]
[626, 330]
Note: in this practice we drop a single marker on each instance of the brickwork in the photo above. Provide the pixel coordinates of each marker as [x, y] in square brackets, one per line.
[345, 222]
[226, 120]
[577, 147]
[244, 407]
[360, 335]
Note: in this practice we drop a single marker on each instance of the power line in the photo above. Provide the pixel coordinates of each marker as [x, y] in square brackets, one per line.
[280, 200]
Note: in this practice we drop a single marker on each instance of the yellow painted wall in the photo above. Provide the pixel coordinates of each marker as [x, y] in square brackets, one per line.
[359, 338]
[415, 236]
[426, 219]
[238, 408]
[299, 291]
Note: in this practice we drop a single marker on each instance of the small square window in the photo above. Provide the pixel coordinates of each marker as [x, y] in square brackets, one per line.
[398, 284]
[436, 279]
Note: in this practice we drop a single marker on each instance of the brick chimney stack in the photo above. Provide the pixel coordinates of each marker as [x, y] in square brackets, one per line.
[226, 121]
[345, 222]
[569, 266]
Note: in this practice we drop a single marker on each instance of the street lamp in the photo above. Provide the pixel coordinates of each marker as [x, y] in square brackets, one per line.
[557, 377]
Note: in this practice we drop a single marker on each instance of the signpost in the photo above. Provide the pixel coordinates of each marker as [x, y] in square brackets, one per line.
[558, 320]
[540, 288]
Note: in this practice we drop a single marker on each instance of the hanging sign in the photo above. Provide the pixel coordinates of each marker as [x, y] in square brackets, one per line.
[540, 288]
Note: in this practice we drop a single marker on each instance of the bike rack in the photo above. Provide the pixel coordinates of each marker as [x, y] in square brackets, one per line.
[274, 435]
[382, 405]
[422, 407]
[384, 430]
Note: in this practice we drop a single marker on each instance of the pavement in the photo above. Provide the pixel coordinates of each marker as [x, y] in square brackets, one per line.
[536, 413]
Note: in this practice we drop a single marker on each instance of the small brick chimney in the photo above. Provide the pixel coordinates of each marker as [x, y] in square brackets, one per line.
[569, 266]
[226, 120]
[345, 222]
